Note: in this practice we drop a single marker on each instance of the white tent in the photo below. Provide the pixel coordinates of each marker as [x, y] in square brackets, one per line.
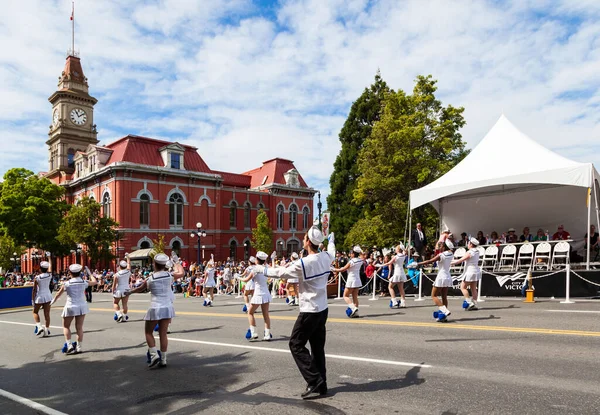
[509, 180]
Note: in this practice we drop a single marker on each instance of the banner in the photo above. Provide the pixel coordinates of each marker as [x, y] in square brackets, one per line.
[325, 223]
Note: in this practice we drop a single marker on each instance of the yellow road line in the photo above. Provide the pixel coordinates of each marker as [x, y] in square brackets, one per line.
[532, 330]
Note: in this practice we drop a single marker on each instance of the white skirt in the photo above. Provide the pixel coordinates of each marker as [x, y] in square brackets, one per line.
[120, 293]
[75, 310]
[43, 298]
[261, 299]
[353, 282]
[443, 280]
[249, 286]
[399, 276]
[472, 276]
[210, 283]
[159, 313]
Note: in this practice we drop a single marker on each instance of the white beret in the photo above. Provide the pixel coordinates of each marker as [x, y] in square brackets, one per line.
[75, 268]
[401, 246]
[474, 241]
[44, 264]
[294, 255]
[449, 244]
[315, 235]
[123, 264]
[252, 260]
[161, 259]
[357, 249]
[262, 255]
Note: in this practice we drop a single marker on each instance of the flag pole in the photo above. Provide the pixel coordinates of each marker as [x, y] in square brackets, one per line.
[73, 28]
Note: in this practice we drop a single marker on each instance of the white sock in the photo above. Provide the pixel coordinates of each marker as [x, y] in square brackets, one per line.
[163, 356]
[267, 332]
[152, 350]
[252, 330]
[290, 298]
[38, 325]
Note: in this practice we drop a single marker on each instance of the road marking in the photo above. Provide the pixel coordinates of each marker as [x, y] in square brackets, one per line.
[574, 311]
[29, 403]
[272, 349]
[26, 324]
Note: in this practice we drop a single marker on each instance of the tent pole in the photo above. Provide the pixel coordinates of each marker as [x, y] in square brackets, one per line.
[407, 222]
[596, 204]
[589, 216]
[409, 243]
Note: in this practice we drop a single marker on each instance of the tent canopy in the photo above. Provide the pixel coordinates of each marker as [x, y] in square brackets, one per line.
[141, 253]
[509, 180]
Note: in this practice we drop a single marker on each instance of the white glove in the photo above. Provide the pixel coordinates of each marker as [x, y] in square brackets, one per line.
[331, 238]
[274, 255]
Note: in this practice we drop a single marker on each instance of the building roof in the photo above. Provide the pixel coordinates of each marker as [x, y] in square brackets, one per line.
[73, 70]
[271, 172]
[234, 179]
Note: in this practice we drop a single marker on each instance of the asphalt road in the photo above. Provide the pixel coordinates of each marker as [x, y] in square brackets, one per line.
[506, 358]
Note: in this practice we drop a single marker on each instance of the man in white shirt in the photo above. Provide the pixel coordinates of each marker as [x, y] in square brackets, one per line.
[312, 272]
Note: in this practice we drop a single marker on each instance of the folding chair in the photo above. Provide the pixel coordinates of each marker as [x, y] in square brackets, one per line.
[459, 253]
[561, 251]
[542, 255]
[490, 258]
[525, 255]
[507, 258]
[481, 250]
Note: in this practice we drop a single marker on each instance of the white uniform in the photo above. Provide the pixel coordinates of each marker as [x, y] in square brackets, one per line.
[227, 274]
[354, 273]
[209, 280]
[472, 272]
[444, 279]
[261, 288]
[123, 277]
[76, 304]
[161, 296]
[292, 280]
[399, 275]
[250, 284]
[43, 294]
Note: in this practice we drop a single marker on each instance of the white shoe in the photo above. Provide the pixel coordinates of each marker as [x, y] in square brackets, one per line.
[46, 332]
[268, 337]
[120, 318]
[402, 304]
[78, 348]
[38, 330]
[154, 359]
[71, 349]
[354, 313]
[471, 306]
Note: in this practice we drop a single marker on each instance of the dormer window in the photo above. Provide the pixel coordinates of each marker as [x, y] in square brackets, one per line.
[291, 178]
[175, 160]
[173, 156]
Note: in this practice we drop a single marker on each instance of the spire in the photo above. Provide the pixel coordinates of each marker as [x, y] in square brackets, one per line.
[72, 52]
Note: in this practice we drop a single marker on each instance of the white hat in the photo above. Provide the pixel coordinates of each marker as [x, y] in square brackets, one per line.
[401, 246]
[357, 249]
[315, 235]
[75, 268]
[161, 259]
[262, 255]
[416, 254]
[44, 264]
[511, 229]
[252, 260]
[449, 244]
[123, 264]
[294, 255]
[474, 241]
[169, 264]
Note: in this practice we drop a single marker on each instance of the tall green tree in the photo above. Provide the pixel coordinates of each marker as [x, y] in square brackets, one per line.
[8, 248]
[262, 235]
[416, 141]
[365, 111]
[31, 209]
[85, 224]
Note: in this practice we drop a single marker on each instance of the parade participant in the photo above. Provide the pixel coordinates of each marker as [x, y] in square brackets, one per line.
[261, 297]
[313, 272]
[121, 284]
[471, 276]
[249, 287]
[443, 280]
[412, 272]
[292, 284]
[353, 283]
[209, 282]
[398, 278]
[41, 296]
[161, 309]
[76, 306]
[227, 279]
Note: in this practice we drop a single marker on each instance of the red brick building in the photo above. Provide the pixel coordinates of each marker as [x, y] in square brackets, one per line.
[154, 187]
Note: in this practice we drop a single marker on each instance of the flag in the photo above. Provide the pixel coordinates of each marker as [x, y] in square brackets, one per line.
[73, 11]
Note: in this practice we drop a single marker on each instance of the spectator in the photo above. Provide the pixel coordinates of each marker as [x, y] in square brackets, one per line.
[526, 237]
[561, 234]
[463, 239]
[419, 240]
[512, 237]
[540, 236]
[592, 241]
[494, 239]
[482, 239]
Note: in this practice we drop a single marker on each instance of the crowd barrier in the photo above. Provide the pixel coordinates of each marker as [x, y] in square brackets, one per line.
[15, 297]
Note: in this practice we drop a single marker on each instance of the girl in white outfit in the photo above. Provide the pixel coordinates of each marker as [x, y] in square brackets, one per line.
[249, 287]
[471, 276]
[75, 308]
[398, 278]
[161, 309]
[354, 283]
[121, 285]
[292, 284]
[209, 282]
[443, 280]
[261, 297]
[41, 298]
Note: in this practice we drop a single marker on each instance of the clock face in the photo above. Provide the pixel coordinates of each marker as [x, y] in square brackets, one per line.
[78, 116]
[55, 117]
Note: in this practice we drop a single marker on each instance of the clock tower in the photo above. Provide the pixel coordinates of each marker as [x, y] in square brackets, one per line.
[72, 127]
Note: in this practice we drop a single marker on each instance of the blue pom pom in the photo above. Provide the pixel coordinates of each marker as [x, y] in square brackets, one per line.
[156, 328]
[115, 317]
[205, 303]
[391, 304]
[245, 309]
[248, 334]
[348, 311]
[465, 304]
[441, 316]
[35, 330]
[64, 349]
[287, 300]
[126, 318]
[436, 314]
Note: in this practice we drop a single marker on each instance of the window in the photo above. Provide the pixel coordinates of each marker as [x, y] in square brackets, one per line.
[176, 247]
[175, 160]
[232, 250]
[70, 157]
[232, 214]
[260, 206]
[145, 245]
[279, 217]
[293, 217]
[293, 246]
[144, 210]
[176, 210]
[106, 205]
[246, 250]
[305, 218]
[246, 215]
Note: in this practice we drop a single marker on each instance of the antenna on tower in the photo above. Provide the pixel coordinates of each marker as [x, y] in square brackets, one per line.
[72, 51]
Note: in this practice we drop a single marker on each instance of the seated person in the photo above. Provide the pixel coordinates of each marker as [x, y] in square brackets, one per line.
[512, 237]
[561, 234]
[526, 237]
[593, 240]
[494, 238]
[482, 239]
[540, 236]
[463, 239]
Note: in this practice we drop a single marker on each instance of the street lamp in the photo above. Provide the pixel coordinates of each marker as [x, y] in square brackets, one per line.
[199, 233]
[319, 206]
[281, 248]
[77, 251]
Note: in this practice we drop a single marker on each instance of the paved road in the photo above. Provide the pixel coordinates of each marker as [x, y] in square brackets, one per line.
[507, 358]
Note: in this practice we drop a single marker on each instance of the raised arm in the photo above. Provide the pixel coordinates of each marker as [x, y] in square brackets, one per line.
[429, 261]
[461, 260]
[331, 245]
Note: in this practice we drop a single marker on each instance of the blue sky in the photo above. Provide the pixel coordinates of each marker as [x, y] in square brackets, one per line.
[246, 81]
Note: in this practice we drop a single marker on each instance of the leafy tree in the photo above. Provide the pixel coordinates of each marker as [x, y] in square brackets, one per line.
[31, 209]
[262, 235]
[159, 246]
[416, 141]
[85, 224]
[364, 113]
[368, 233]
[7, 249]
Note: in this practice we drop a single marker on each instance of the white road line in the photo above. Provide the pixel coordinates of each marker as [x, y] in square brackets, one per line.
[29, 403]
[574, 311]
[27, 324]
[330, 356]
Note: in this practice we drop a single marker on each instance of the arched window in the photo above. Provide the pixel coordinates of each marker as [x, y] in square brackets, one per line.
[106, 205]
[176, 210]
[279, 217]
[260, 206]
[70, 157]
[144, 210]
[232, 249]
[176, 246]
[233, 214]
[145, 245]
[246, 215]
[293, 246]
[305, 217]
[293, 217]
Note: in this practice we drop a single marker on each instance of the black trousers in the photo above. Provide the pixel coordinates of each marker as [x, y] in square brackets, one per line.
[310, 328]
[88, 294]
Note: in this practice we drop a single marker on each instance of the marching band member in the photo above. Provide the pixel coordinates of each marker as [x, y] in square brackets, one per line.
[76, 306]
[312, 272]
[471, 276]
[261, 297]
[443, 281]
[41, 297]
[398, 278]
[354, 283]
[249, 287]
[161, 309]
[209, 282]
[292, 284]
[121, 284]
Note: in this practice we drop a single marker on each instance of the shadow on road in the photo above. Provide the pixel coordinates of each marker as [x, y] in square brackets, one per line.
[411, 378]
[490, 317]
